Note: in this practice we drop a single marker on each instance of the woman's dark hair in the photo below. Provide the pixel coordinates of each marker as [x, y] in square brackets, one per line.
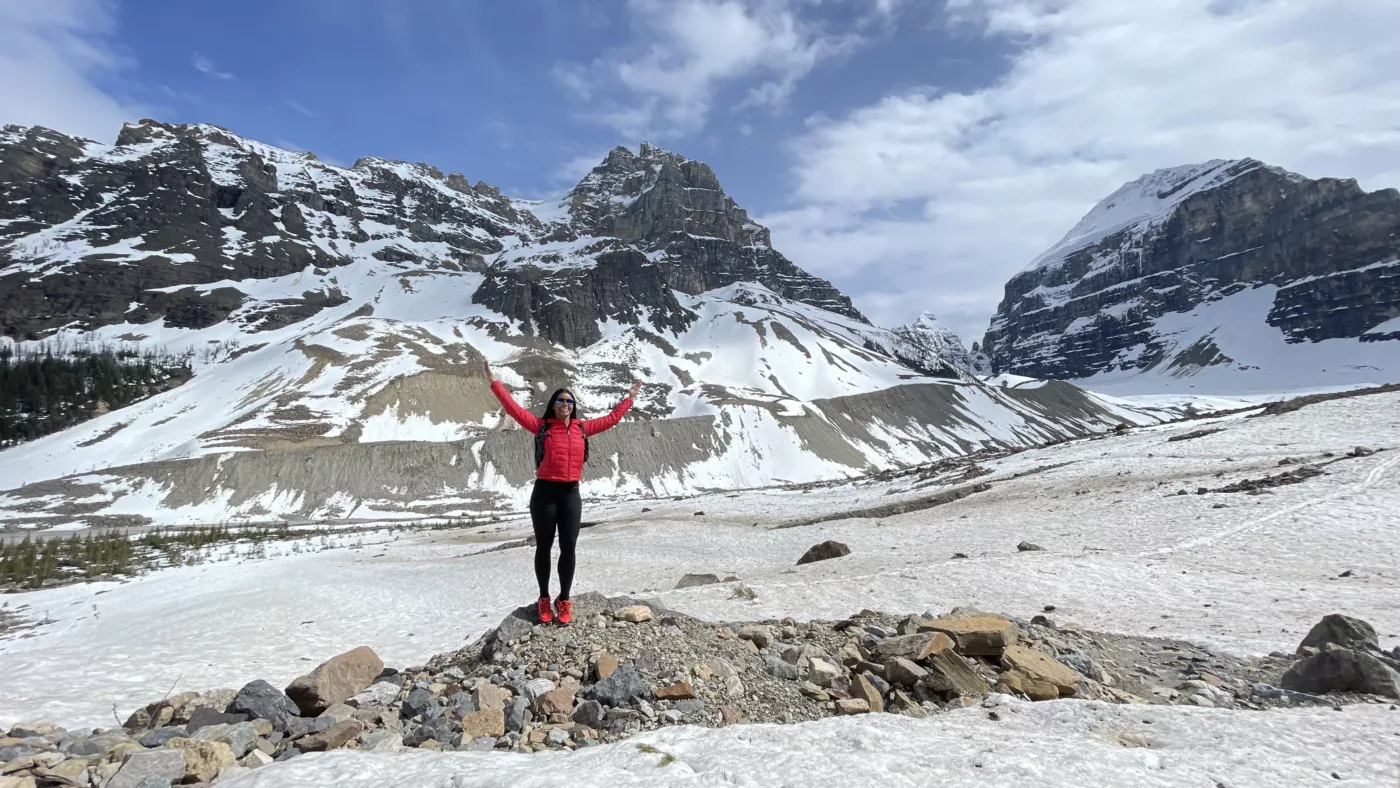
[549, 404]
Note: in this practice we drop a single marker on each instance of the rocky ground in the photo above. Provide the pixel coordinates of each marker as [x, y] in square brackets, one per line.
[625, 666]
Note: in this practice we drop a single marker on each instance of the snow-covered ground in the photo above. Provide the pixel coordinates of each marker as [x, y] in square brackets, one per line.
[1124, 553]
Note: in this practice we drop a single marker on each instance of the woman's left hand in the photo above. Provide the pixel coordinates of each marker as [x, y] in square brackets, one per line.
[636, 386]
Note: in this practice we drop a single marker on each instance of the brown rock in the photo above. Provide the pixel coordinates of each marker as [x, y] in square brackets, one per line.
[486, 722]
[731, 715]
[335, 680]
[864, 690]
[824, 552]
[681, 690]
[1039, 666]
[852, 706]
[556, 701]
[203, 758]
[333, 738]
[1016, 682]
[915, 648]
[490, 696]
[975, 636]
[607, 663]
[702, 671]
[951, 673]
[903, 673]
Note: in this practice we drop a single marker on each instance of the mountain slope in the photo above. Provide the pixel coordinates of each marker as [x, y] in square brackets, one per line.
[1226, 267]
[337, 319]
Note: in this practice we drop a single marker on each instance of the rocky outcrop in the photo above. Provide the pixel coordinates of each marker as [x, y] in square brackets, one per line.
[1177, 239]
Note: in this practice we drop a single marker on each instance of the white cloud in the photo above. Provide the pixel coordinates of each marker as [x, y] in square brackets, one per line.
[299, 109]
[206, 66]
[688, 50]
[52, 55]
[930, 199]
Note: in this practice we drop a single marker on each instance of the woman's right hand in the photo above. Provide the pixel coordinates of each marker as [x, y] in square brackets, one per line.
[489, 375]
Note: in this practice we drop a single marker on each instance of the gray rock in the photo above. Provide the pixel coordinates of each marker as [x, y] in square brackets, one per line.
[165, 765]
[16, 751]
[671, 717]
[1027, 547]
[881, 686]
[483, 744]
[1343, 670]
[381, 741]
[205, 716]
[782, 670]
[1082, 664]
[589, 713]
[461, 704]
[515, 714]
[381, 693]
[421, 703]
[536, 688]
[1343, 631]
[620, 688]
[557, 737]
[695, 706]
[159, 736]
[824, 552]
[240, 738]
[691, 581]
[99, 744]
[260, 700]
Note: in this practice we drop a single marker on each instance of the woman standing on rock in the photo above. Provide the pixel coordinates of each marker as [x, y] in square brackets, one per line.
[561, 446]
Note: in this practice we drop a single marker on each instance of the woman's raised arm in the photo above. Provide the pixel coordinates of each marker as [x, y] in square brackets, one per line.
[522, 417]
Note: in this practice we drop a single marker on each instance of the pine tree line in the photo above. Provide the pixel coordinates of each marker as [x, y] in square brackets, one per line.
[51, 388]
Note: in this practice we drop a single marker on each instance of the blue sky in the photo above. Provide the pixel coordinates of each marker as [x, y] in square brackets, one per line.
[916, 152]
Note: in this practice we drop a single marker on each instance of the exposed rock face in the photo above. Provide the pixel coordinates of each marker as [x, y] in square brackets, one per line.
[1179, 238]
[114, 231]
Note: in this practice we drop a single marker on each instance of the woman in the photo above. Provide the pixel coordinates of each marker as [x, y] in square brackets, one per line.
[555, 504]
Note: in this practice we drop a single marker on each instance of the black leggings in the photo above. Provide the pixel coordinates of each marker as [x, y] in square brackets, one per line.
[555, 506]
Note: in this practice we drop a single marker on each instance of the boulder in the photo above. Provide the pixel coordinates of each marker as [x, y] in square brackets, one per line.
[635, 614]
[822, 673]
[1340, 630]
[863, 689]
[556, 701]
[258, 699]
[486, 722]
[167, 765]
[240, 738]
[1015, 682]
[848, 706]
[903, 673]
[620, 688]
[218, 700]
[381, 741]
[489, 696]
[421, 703]
[515, 715]
[1027, 547]
[589, 714]
[915, 648]
[605, 666]
[204, 716]
[731, 715]
[1039, 666]
[380, 693]
[255, 760]
[338, 712]
[760, 635]
[159, 736]
[335, 680]
[333, 738]
[951, 673]
[73, 771]
[203, 759]
[1343, 670]
[691, 581]
[100, 744]
[679, 691]
[824, 552]
[975, 636]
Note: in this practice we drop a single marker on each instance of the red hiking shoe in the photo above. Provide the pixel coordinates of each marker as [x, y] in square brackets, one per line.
[565, 609]
[546, 614]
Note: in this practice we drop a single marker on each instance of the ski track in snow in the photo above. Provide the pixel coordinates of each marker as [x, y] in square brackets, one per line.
[1124, 553]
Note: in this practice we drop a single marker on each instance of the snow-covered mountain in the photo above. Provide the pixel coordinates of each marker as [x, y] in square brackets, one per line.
[1234, 275]
[337, 319]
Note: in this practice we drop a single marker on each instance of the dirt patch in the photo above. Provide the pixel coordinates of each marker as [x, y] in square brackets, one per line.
[1194, 434]
[107, 433]
[1288, 406]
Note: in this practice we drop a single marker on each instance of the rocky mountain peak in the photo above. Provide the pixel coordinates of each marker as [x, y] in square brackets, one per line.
[928, 344]
[1300, 260]
[646, 197]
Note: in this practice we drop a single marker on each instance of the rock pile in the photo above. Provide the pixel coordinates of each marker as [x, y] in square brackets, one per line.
[627, 666]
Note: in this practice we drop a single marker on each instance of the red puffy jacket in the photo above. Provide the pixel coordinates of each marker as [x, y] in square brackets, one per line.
[563, 450]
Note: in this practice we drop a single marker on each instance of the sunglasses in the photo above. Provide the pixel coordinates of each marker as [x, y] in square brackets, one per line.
[562, 401]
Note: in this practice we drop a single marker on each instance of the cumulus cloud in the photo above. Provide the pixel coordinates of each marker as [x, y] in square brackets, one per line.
[686, 51]
[929, 199]
[53, 55]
